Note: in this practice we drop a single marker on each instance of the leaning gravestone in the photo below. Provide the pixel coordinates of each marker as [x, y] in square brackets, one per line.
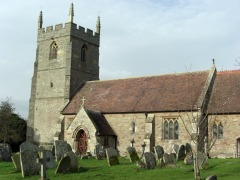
[150, 160]
[50, 164]
[212, 177]
[112, 157]
[29, 146]
[99, 152]
[132, 154]
[166, 159]
[169, 158]
[61, 147]
[175, 148]
[188, 159]
[64, 165]
[28, 160]
[181, 153]
[159, 151]
[172, 158]
[16, 161]
[5, 152]
[188, 148]
[74, 161]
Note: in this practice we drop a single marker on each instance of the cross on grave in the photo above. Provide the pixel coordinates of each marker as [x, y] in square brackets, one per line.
[132, 142]
[43, 160]
[83, 101]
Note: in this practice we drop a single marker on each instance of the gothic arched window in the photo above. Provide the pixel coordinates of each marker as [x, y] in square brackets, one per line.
[83, 53]
[170, 126]
[53, 51]
[217, 130]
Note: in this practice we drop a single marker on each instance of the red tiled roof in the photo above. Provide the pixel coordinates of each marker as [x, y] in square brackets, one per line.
[174, 92]
[226, 93]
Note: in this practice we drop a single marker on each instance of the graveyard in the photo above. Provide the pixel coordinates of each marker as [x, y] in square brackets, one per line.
[99, 169]
[33, 162]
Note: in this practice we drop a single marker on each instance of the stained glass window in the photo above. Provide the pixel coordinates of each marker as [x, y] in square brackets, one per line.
[171, 128]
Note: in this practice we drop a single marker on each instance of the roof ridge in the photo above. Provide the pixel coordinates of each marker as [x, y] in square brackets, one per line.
[228, 71]
[150, 76]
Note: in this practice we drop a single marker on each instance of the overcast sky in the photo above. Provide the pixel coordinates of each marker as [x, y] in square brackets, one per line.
[138, 37]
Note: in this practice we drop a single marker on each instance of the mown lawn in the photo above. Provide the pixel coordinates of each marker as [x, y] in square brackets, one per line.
[98, 169]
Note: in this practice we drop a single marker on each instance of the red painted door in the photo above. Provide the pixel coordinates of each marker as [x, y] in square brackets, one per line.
[82, 142]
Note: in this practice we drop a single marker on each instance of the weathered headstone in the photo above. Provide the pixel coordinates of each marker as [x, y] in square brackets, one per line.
[16, 161]
[43, 161]
[141, 165]
[28, 162]
[132, 154]
[50, 164]
[63, 165]
[99, 152]
[159, 151]
[29, 146]
[112, 157]
[169, 158]
[188, 148]
[150, 160]
[181, 153]
[172, 158]
[175, 148]
[202, 159]
[74, 161]
[188, 159]
[166, 158]
[5, 152]
[212, 177]
[61, 147]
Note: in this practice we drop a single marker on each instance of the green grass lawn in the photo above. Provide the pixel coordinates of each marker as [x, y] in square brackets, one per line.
[98, 169]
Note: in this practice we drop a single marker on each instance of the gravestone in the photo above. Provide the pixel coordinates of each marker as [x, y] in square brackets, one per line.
[175, 148]
[63, 165]
[28, 160]
[141, 165]
[212, 177]
[16, 161]
[188, 159]
[132, 154]
[202, 159]
[43, 161]
[29, 146]
[172, 158]
[112, 157]
[188, 148]
[169, 158]
[61, 147]
[159, 151]
[99, 152]
[74, 161]
[5, 152]
[50, 164]
[181, 153]
[150, 160]
[166, 158]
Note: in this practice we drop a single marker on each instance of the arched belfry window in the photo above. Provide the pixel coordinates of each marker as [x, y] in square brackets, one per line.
[53, 51]
[83, 53]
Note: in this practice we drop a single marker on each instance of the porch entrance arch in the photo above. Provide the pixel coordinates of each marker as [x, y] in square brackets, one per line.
[82, 142]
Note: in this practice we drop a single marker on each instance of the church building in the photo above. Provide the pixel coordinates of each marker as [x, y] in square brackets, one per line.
[69, 102]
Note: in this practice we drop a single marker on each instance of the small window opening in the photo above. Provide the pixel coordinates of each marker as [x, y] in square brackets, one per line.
[83, 53]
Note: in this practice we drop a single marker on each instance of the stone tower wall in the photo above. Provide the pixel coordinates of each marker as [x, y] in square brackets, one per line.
[55, 80]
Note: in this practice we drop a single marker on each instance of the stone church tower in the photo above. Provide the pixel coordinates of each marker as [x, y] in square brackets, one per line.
[66, 56]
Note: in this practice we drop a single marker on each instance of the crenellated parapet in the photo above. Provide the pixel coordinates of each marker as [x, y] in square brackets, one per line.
[67, 29]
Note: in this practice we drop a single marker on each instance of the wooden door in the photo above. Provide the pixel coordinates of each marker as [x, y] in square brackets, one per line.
[238, 147]
[82, 142]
